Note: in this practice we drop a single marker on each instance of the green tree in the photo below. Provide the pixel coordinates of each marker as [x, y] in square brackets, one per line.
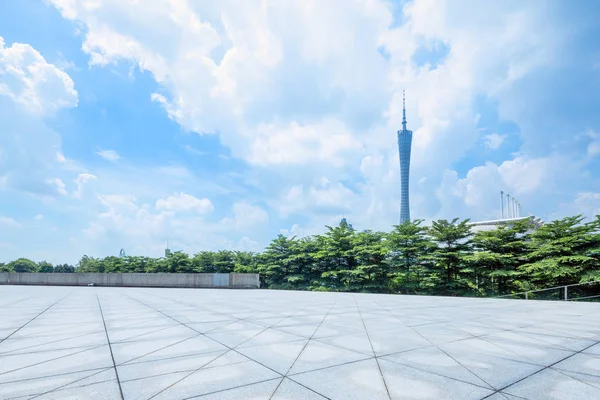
[179, 262]
[407, 245]
[276, 263]
[336, 256]
[591, 270]
[204, 262]
[135, 264]
[22, 265]
[303, 267]
[246, 262]
[5, 268]
[224, 261]
[562, 252]
[371, 273]
[498, 255]
[45, 266]
[89, 264]
[64, 268]
[159, 265]
[453, 244]
[113, 264]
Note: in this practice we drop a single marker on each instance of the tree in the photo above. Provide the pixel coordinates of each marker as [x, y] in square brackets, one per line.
[224, 261]
[45, 266]
[562, 251]
[304, 271]
[407, 245]
[89, 264]
[276, 261]
[452, 239]
[371, 273]
[245, 262]
[336, 256]
[591, 271]
[179, 262]
[204, 262]
[498, 255]
[5, 268]
[64, 268]
[22, 265]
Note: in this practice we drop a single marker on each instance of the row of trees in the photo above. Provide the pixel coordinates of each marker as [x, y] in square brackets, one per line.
[446, 258]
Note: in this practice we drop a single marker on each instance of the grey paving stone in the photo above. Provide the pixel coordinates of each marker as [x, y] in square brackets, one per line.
[145, 388]
[290, 390]
[492, 366]
[193, 345]
[256, 391]
[49, 343]
[433, 360]
[29, 387]
[36, 365]
[358, 342]
[503, 396]
[277, 356]
[595, 349]
[581, 363]
[356, 381]
[408, 383]
[229, 344]
[127, 351]
[318, 355]
[99, 391]
[270, 336]
[549, 384]
[139, 370]
[396, 340]
[215, 379]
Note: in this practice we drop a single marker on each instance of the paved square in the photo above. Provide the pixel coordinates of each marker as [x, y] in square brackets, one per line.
[132, 343]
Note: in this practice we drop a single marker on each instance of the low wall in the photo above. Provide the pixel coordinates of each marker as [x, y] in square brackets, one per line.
[235, 281]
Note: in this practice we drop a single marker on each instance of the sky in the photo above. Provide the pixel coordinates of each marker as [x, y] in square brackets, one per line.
[220, 124]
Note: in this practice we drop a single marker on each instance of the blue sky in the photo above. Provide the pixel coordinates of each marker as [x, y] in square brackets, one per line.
[221, 124]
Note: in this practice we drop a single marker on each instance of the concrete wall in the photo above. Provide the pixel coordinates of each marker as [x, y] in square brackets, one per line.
[238, 281]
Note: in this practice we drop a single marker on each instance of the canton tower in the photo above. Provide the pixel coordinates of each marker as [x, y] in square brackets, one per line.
[404, 144]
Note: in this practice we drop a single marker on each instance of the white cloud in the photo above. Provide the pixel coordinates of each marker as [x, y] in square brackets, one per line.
[294, 144]
[110, 155]
[184, 202]
[587, 203]
[32, 89]
[141, 228]
[321, 197]
[39, 217]
[58, 185]
[593, 147]
[9, 222]
[245, 215]
[493, 141]
[81, 180]
[33, 83]
[529, 180]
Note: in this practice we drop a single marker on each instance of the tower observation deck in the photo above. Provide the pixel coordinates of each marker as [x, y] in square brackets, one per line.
[404, 146]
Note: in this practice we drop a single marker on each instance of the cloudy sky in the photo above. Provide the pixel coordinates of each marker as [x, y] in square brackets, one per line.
[221, 123]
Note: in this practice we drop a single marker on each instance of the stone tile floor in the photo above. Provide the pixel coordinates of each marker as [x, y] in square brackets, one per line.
[134, 343]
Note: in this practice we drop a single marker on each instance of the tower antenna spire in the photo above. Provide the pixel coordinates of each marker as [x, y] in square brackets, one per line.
[403, 110]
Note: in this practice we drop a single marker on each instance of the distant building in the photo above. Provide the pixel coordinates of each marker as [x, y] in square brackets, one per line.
[343, 222]
[122, 253]
[404, 147]
[493, 224]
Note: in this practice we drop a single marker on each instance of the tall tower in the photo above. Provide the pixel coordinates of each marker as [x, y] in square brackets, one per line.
[404, 145]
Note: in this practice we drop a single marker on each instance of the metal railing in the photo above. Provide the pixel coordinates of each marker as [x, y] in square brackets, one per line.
[561, 292]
